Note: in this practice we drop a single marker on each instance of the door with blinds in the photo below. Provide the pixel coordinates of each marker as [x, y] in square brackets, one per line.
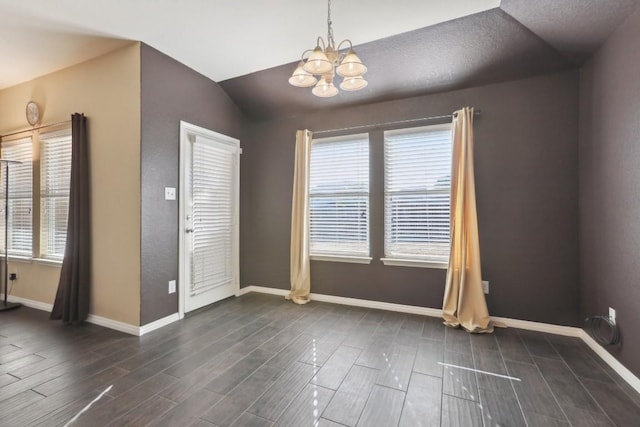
[209, 211]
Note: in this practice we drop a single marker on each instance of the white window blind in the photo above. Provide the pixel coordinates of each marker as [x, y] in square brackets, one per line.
[417, 164]
[339, 196]
[20, 196]
[55, 174]
[212, 185]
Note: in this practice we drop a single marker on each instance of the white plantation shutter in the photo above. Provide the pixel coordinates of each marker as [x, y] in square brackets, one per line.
[20, 196]
[55, 175]
[339, 196]
[212, 184]
[417, 165]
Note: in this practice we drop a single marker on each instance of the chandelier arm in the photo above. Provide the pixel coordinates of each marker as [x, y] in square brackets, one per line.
[304, 53]
[320, 41]
[343, 42]
[343, 54]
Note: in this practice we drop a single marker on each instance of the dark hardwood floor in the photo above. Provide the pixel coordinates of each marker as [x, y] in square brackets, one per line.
[258, 360]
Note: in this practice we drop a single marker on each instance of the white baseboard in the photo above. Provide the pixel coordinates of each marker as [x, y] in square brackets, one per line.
[625, 373]
[145, 329]
[38, 305]
[92, 318]
[569, 331]
[127, 328]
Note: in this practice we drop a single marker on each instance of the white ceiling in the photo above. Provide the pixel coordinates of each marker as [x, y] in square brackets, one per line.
[218, 38]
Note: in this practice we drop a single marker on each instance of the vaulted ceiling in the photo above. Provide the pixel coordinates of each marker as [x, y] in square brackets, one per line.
[519, 39]
[411, 47]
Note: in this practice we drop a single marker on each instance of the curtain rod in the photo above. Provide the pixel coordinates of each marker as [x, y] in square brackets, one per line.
[399, 122]
[35, 128]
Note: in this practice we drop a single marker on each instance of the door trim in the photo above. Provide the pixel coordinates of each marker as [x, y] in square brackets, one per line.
[187, 130]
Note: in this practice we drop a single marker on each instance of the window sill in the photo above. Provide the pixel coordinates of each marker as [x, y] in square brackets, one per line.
[47, 261]
[413, 263]
[342, 258]
[19, 258]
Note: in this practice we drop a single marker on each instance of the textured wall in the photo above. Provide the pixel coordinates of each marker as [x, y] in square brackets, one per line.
[609, 178]
[527, 181]
[170, 92]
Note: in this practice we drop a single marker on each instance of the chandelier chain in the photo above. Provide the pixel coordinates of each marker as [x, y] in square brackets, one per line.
[330, 40]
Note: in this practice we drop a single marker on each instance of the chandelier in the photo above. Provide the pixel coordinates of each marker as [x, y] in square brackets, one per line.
[325, 61]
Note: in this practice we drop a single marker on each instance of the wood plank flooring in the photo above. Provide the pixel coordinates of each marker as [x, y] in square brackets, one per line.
[258, 360]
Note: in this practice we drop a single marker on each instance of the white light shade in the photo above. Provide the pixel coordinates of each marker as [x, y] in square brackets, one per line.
[351, 66]
[325, 89]
[318, 63]
[301, 78]
[353, 83]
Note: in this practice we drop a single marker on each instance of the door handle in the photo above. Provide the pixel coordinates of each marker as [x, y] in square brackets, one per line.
[189, 230]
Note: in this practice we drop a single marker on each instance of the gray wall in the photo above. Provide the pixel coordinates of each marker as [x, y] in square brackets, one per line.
[527, 186]
[609, 186]
[170, 92]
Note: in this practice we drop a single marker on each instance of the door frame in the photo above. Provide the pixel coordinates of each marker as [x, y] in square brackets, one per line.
[188, 130]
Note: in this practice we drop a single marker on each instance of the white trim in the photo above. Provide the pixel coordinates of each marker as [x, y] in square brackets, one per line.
[19, 258]
[245, 290]
[614, 363]
[102, 321]
[413, 263]
[96, 320]
[378, 305]
[342, 258]
[38, 305]
[48, 262]
[157, 324]
[264, 290]
[187, 129]
[114, 324]
[569, 331]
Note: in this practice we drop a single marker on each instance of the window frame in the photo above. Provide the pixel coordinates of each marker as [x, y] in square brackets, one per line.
[12, 253]
[353, 257]
[394, 259]
[60, 136]
[35, 255]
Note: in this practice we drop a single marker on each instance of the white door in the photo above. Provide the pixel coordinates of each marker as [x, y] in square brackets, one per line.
[209, 185]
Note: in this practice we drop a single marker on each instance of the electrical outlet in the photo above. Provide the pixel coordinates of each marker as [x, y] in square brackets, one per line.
[172, 286]
[612, 315]
[485, 286]
[169, 193]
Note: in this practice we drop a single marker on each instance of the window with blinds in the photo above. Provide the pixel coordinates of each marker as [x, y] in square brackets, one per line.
[212, 189]
[20, 196]
[339, 196]
[417, 176]
[55, 174]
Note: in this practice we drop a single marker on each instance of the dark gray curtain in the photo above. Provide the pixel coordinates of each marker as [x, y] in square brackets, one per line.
[72, 300]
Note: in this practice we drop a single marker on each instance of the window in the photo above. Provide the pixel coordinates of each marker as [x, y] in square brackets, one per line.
[417, 177]
[20, 196]
[339, 198]
[55, 174]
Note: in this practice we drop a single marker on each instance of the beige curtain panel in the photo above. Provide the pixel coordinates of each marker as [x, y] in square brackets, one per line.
[300, 270]
[464, 304]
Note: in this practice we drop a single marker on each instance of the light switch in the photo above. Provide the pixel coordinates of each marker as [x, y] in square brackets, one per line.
[169, 193]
